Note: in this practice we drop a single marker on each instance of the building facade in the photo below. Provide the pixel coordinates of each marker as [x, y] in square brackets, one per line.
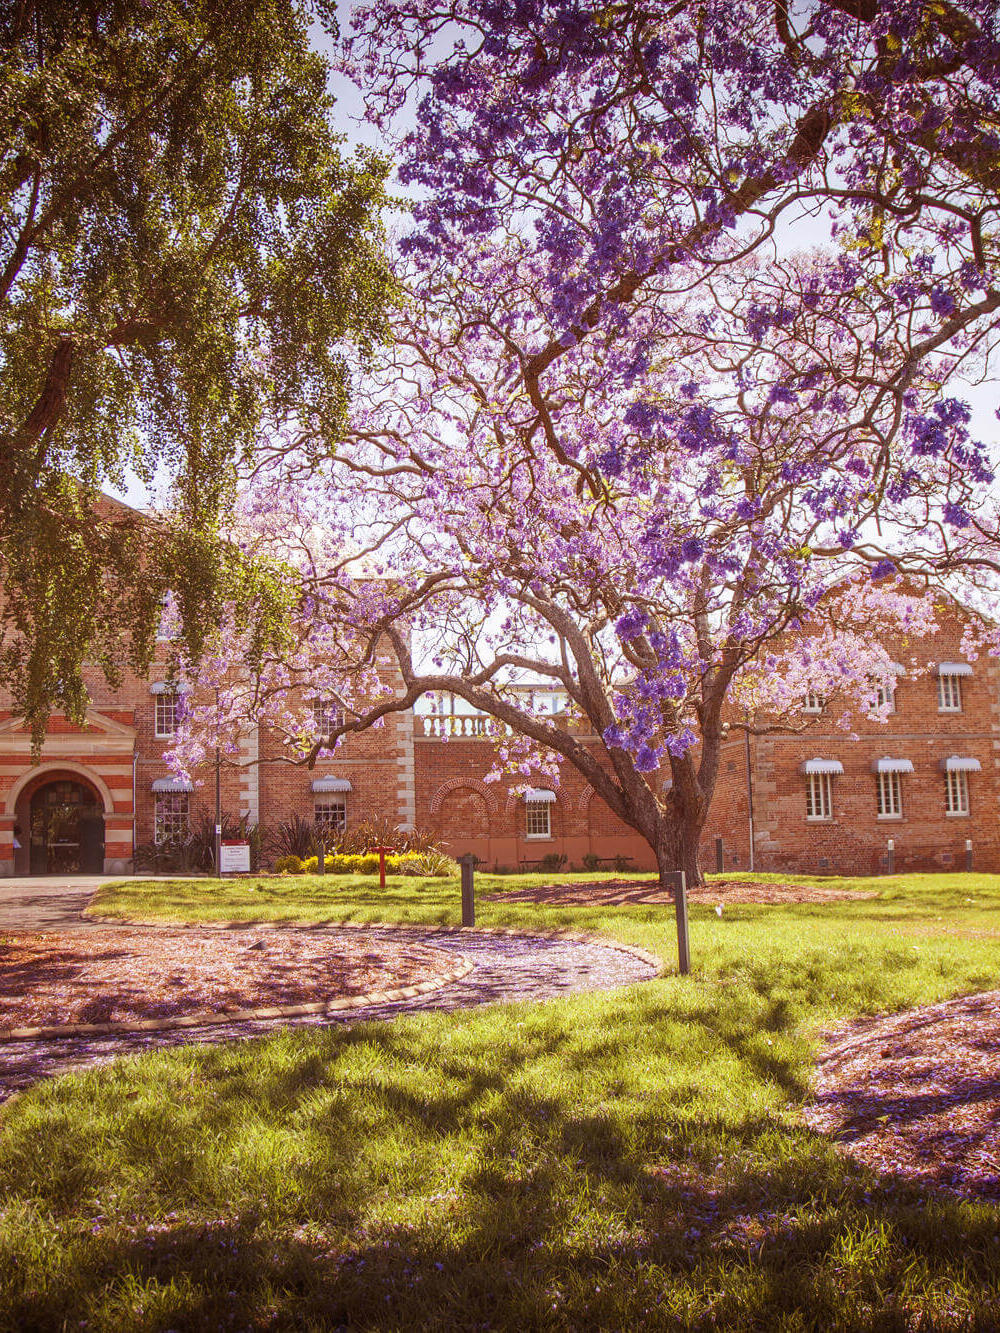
[815, 800]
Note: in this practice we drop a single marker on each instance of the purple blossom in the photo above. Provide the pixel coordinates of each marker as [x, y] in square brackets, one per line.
[956, 516]
[942, 301]
[631, 624]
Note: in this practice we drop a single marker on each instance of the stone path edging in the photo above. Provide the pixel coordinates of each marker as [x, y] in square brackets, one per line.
[509, 966]
[206, 1018]
[514, 932]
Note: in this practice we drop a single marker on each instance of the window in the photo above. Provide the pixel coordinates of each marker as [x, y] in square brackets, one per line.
[949, 694]
[885, 697]
[819, 796]
[537, 822]
[173, 817]
[814, 702]
[956, 793]
[889, 796]
[326, 715]
[167, 713]
[169, 626]
[331, 812]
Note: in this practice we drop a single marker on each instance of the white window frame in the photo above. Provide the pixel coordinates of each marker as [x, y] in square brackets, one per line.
[537, 820]
[819, 798]
[888, 796]
[885, 695]
[161, 637]
[165, 714]
[171, 816]
[949, 693]
[326, 715]
[814, 702]
[956, 793]
[331, 811]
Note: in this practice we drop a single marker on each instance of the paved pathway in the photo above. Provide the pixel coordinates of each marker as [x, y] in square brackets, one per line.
[506, 968]
[52, 902]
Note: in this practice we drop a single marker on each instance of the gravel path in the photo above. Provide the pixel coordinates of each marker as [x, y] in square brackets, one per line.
[506, 968]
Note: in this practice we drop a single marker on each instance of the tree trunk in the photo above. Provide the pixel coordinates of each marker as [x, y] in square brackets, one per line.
[676, 849]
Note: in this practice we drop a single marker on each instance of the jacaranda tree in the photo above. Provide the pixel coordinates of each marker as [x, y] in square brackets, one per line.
[185, 252]
[669, 416]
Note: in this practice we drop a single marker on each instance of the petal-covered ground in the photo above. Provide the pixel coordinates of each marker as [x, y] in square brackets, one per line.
[126, 974]
[918, 1094]
[615, 892]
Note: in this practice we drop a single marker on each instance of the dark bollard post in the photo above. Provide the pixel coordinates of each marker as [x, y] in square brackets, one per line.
[890, 857]
[720, 863]
[679, 884]
[968, 854]
[468, 864]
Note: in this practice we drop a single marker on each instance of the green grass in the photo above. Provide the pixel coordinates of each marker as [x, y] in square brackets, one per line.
[622, 1160]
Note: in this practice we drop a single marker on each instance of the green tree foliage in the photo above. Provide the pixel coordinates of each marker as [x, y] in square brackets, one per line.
[185, 253]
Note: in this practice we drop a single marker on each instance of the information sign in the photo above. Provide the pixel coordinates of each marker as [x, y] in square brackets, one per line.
[235, 858]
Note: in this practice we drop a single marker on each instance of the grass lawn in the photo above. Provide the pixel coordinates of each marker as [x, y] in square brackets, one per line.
[623, 1160]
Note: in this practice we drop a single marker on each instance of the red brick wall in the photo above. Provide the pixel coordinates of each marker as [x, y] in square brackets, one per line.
[854, 840]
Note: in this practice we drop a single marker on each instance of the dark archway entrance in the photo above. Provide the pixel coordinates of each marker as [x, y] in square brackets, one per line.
[66, 829]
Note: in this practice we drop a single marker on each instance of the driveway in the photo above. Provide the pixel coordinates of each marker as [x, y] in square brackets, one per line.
[49, 902]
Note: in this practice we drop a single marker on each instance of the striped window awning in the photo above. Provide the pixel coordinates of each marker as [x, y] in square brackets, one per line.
[539, 795]
[954, 669]
[822, 766]
[329, 784]
[955, 763]
[169, 687]
[161, 785]
[887, 765]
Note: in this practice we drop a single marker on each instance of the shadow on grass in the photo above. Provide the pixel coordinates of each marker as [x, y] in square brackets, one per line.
[595, 1236]
[620, 1161]
[430, 1176]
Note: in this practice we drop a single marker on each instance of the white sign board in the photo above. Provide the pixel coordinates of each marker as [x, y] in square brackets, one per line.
[234, 858]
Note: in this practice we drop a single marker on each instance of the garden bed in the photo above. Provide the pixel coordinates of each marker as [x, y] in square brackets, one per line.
[619, 892]
[917, 1095]
[123, 974]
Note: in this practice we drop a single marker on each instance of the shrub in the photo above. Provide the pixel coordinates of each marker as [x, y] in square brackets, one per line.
[290, 864]
[292, 837]
[591, 861]
[382, 832]
[428, 863]
[553, 861]
[366, 863]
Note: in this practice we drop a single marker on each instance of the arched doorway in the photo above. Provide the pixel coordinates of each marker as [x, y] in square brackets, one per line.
[66, 829]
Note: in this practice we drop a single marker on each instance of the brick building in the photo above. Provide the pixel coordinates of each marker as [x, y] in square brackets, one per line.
[822, 800]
